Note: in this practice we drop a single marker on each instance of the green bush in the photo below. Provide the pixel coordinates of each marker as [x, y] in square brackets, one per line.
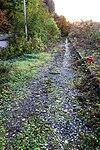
[42, 30]
[4, 71]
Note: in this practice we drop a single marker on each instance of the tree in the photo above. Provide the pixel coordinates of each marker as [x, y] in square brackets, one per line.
[50, 5]
[42, 29]
[62, 24]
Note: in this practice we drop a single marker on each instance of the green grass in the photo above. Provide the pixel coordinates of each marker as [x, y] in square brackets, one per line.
[21, 70]
[33, 136]
[25, 67]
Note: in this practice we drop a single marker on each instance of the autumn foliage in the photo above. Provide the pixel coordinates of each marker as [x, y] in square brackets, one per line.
[85, 34]
[50, 5]
[62, 24]
[4, 23]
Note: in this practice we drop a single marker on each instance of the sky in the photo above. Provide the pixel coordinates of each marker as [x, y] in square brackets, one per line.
[75, 10]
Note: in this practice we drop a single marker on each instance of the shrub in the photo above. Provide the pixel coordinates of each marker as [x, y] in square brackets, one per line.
[42, 30]
[4, 71]
[62, 24]
[85, 34]
[4, 23]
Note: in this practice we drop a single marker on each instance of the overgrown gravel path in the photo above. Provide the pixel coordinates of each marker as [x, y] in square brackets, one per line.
[51, 96]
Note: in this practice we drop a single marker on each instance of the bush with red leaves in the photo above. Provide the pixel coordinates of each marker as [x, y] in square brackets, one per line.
[4, 23]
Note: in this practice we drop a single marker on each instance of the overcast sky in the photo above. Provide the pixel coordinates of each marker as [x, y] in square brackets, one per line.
[79, 9]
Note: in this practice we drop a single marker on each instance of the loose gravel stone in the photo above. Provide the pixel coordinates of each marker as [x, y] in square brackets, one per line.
[51, 96]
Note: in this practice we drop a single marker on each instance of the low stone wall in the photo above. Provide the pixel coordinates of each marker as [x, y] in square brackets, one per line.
[4, 40]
